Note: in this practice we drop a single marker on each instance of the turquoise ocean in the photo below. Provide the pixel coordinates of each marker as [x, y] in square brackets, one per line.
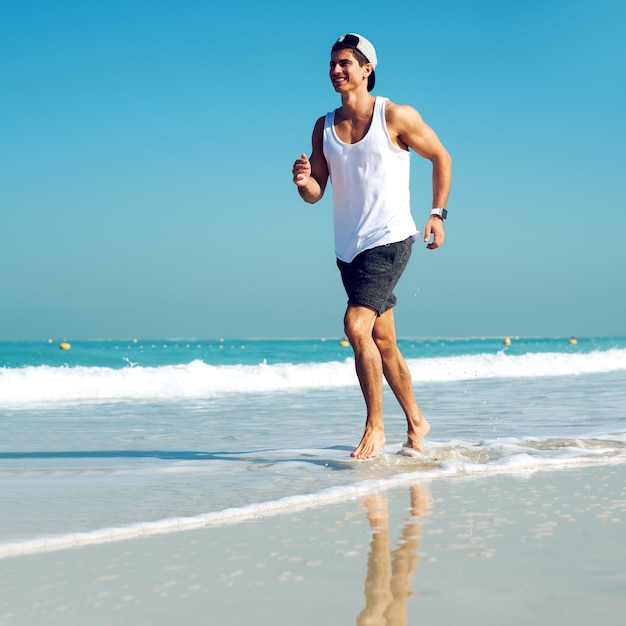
[116, 439]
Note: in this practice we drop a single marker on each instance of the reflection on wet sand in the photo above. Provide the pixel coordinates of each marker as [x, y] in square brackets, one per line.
[389, 573]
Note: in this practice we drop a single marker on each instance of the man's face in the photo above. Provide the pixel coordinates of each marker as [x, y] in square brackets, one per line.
[345, 71]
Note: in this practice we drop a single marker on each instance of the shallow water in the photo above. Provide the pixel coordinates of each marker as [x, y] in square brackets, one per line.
[90, 448]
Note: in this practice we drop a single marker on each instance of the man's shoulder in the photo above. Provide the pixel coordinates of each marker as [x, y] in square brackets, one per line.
[319, 125]
[397, 111]
[402, 118]
[318, 130]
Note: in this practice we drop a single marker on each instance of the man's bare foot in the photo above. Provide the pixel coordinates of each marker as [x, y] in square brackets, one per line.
[371, 444]
[415, 437]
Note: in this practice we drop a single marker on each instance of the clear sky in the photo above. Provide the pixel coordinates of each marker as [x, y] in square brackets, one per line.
[146, 151]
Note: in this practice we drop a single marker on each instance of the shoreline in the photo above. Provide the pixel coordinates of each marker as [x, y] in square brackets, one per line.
[286, 505]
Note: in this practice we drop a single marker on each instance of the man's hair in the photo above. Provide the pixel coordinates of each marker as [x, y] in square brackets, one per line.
[358, 55]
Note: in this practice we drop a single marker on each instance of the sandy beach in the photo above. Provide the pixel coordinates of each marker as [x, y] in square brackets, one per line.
[547, 547]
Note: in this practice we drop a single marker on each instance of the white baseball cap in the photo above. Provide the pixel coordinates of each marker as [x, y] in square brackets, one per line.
[359, 42]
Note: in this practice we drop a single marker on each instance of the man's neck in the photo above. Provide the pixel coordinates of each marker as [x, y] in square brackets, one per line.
[357, 105]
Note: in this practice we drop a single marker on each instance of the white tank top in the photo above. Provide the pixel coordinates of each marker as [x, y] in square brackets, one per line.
[370, 181]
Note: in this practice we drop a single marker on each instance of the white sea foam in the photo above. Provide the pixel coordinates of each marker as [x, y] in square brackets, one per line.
[36, 384]
[453, 459]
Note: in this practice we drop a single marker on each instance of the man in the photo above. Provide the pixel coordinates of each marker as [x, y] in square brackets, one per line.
[363, 146]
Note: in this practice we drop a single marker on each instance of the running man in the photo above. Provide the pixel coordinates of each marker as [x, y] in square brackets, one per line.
[363, 147]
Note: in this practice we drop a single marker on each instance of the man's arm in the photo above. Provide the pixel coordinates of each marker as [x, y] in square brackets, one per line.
[411, 131]
[311, 175]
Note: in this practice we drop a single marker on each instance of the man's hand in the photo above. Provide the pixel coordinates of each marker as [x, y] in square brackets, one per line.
[301, 171]
[434, 227]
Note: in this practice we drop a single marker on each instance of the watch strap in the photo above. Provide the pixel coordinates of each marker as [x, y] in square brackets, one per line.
[442, 213]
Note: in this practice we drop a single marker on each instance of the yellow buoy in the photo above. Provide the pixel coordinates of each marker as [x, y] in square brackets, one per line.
[65, 346]
[507, 341]
[573, 341]
[344, 343]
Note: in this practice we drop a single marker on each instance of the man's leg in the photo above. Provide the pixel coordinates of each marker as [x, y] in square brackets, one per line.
[359, 323]
[398, 376]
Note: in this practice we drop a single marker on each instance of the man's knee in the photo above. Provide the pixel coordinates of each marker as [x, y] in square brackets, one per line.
[385, 343]
[358, 323]
[384, 334]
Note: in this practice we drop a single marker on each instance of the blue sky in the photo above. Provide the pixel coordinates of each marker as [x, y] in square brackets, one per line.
[146, 150]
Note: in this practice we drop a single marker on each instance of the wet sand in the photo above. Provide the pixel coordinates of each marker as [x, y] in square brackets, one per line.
[534, 548]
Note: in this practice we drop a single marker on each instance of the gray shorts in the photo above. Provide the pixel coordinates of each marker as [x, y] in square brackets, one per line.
[369, 280]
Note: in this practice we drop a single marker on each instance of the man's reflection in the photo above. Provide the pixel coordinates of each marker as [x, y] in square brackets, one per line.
[389, 573]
